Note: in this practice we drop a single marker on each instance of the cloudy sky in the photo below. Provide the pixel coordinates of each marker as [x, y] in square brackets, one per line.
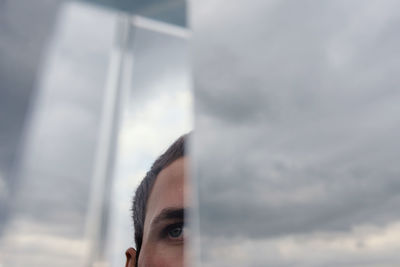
[297, 121]
[296, 118]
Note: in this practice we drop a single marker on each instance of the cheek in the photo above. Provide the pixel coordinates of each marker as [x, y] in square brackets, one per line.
[155, 261]
[161, 257]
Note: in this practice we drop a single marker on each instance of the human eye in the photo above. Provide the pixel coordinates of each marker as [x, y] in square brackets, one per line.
[174, 232]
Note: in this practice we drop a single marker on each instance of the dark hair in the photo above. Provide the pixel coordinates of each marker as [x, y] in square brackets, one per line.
[174, 152]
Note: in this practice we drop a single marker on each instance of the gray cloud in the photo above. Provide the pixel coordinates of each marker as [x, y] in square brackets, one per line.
[296, 120]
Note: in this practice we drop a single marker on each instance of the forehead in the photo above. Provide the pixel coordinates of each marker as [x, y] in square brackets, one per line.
[168, 189]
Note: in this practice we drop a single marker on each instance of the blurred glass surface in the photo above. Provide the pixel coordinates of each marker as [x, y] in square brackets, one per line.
[79, 110]
[297, 125]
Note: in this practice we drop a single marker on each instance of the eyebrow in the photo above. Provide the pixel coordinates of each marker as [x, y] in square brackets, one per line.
[168, 214]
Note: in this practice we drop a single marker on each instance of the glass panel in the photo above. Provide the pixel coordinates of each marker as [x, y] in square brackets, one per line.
[296, 145]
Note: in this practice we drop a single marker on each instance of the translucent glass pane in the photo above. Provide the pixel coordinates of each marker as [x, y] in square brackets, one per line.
[297, 125]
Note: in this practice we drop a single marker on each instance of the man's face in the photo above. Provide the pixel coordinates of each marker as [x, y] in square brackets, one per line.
[163, 233]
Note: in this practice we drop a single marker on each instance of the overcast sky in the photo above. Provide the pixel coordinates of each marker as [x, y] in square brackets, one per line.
[296, 111]
[297, 121]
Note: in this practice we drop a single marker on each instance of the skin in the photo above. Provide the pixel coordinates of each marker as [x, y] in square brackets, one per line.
[164, 233]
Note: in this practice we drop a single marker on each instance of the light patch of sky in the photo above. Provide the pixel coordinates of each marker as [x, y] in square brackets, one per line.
[23, 246]
[173, 106]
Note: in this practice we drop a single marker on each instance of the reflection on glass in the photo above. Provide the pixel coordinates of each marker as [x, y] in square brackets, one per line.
[297, 129]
